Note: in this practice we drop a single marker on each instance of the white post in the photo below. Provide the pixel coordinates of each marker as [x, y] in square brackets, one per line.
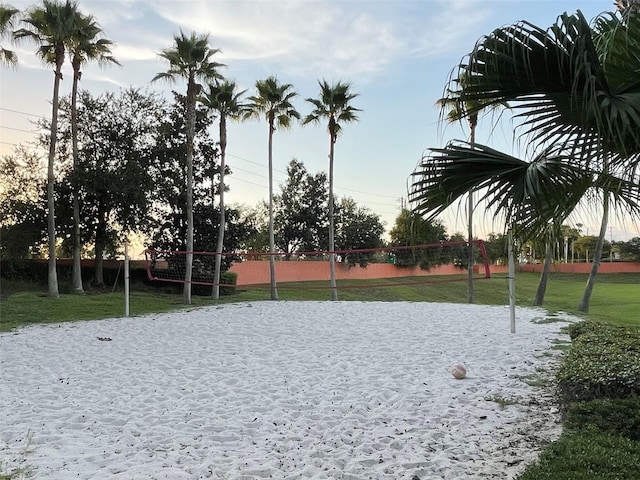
[512, 283]
[126, 278]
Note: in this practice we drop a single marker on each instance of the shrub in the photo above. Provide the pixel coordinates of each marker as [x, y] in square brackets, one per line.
[621, 416]
[227, 278]
[587, 454]
[603, 363]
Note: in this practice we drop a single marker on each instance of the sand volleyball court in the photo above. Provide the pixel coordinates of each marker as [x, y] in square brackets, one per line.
[281, 390]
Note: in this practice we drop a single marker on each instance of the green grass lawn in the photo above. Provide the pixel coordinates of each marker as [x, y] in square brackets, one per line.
[616, 297]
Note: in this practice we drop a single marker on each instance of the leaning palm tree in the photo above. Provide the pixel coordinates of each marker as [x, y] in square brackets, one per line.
[8, 15]
[51, 26]
[83, 47]
[332, 105]
[273, 99]
[576, 87]
[190, 58]
[224, 98]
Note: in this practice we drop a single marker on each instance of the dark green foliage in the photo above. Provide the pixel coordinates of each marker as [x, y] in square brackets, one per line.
[630, 251]
[587, 454]
[227, 284]
[603, 363]
[356, 228]
[620, 416]
[301, 212]
[411, 229]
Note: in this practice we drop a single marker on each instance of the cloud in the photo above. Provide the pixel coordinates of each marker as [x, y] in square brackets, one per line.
[126, 53]
[296, 37]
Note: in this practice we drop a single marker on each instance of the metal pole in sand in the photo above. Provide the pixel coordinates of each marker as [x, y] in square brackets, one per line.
[126, 278]
[512, 284]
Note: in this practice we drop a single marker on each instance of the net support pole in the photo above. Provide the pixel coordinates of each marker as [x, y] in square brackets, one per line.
[126, 278]
[512, 284]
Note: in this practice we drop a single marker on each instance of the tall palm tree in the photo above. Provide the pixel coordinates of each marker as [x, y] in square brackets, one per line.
[576, 87]
[273, 99]
[83, 47]
[224, 98]
[456, 110]
[333, 105]
[8, 15]
[190, 58]
[51, 26]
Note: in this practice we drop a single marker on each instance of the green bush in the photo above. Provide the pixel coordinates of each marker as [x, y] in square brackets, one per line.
[603, 363]
[587, 454]
[620, 416]
[228, 279]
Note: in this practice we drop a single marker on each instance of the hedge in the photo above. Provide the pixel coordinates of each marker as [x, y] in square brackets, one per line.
[603, 363]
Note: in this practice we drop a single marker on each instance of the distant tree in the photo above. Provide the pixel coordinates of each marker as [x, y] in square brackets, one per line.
[191, 59]
[334, 106]
[23, 223]
[51, 26]
[274, 101]
[116, 132]
[357, 228]
[300, 210]
[169, 171]
[496, 246]
[585, 247]
[257, 217]
[8, 16]
[411, 229]
[630, 251]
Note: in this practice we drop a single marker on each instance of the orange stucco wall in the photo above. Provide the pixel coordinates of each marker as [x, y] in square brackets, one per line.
[604, 267]
[257, 272]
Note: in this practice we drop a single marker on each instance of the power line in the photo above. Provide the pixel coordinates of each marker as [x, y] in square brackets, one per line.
[21, 113]
[17, 129]
[338, 187]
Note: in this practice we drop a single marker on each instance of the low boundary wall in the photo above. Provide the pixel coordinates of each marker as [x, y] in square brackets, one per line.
[255, 272]
[604, 267]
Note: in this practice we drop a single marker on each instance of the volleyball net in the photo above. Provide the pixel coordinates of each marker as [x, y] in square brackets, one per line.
[428, 263]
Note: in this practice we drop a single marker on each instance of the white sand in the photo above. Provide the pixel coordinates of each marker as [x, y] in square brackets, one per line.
[296, 390]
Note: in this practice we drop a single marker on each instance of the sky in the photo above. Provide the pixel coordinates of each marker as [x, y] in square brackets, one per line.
[397, 54]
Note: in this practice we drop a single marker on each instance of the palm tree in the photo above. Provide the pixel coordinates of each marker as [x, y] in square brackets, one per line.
[224, 98]
[576, 88]
[457, 111]
[83, 47]
[8, 15]
[190, 58]
[51, 26]
[273, 99]
[332, 105]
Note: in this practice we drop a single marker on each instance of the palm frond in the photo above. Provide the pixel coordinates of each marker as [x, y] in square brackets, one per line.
[531, 194]
[274, 100]
[568, 81]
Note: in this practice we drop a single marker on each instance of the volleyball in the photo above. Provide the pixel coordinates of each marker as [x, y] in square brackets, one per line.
[458, 371]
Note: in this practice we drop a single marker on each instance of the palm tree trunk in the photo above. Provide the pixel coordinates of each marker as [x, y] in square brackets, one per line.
[272, 239]
[544, 277]
[76, 274]
[332, 243]
[52, 278]
[220, 244]
[583, 306]
[473, 121]
[191, 127]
